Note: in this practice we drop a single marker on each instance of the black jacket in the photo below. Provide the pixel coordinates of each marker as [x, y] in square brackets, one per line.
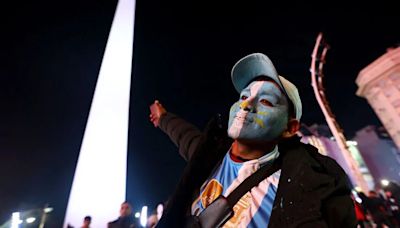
[313, 189]
[122, 222]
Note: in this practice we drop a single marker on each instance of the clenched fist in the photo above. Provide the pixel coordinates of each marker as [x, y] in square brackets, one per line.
[156, 111]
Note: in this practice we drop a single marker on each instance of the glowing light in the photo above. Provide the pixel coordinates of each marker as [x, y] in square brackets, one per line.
[30, 220]
[48, 209]
[351, 143]
[15, 220]
[384, 182]
[160, 209]
[99, 184]
[137, 215]
[358, 189]
[143, 216]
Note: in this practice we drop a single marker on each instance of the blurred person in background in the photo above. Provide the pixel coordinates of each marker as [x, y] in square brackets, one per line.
[377, 209]
[126, 219]
[394, 207]
[86, 222]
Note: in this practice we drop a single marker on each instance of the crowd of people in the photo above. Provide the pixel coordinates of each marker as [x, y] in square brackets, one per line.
[377, 210]
[126, 219]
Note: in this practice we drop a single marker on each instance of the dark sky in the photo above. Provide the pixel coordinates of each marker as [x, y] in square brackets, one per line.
[51, 54]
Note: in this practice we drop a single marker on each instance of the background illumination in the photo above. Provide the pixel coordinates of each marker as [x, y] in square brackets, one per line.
[143, 216]
[137, 215]
[385, 182]
[30, 220]
[99, 183]
[15, 220]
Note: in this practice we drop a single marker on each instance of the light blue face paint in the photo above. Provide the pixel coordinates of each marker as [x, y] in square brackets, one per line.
[234, 106]
[252, 119]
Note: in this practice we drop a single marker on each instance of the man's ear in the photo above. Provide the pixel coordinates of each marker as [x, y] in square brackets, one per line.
[292, 127]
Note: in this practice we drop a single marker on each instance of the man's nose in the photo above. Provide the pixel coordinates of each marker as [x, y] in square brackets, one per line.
[248, 105]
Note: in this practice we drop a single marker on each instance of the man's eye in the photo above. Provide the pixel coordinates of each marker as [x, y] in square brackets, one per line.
[266, 102]
[243, 97]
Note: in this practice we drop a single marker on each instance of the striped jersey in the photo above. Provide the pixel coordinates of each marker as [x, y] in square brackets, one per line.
[254, 208]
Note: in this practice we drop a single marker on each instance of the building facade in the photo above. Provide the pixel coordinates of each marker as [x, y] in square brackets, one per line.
[320, 137]
[379, 83]
[379, 153]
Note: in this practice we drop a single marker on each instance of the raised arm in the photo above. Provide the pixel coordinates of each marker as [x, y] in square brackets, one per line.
[185, 135]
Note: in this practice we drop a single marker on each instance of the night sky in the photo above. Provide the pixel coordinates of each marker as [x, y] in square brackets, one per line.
[51, 54]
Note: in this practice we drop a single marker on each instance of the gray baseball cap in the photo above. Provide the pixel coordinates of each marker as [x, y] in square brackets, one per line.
[257, 64]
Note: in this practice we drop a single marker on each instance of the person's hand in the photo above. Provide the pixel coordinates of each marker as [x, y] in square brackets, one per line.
[156, 111]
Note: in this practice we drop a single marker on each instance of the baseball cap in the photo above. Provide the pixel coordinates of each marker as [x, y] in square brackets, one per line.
[257, 64]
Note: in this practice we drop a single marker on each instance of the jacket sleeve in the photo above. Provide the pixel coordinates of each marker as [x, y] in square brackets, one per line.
[338, 208]
[183, 134]
[340, 211]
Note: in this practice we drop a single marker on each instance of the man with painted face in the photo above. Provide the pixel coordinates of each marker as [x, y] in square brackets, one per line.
[308, 190]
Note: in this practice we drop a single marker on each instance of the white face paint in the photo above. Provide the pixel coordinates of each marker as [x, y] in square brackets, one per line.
[261, 114]
[240, 117]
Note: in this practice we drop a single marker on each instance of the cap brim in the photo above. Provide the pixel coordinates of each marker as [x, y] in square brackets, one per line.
[250, 67]
[255, 65]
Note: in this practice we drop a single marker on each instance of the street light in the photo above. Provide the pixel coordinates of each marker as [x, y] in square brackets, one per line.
[160, 209]
[48, 209]
[45, 211]
[137, 215]
[30, 220]
[385, 182]
[143, 216]
[15, 220]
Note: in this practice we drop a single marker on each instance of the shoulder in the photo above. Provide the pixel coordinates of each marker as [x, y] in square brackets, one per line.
[113, 222]
[298, 153]
[328, 164]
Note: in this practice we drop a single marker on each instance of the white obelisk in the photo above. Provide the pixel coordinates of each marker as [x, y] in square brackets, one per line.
[99, 184]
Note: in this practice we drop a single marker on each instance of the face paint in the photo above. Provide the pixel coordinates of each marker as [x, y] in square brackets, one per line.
[234, 106]
[259, 122]
[260, 115]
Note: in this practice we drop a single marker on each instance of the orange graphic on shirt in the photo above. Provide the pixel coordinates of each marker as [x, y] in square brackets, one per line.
[238, 210]
[211, 192]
